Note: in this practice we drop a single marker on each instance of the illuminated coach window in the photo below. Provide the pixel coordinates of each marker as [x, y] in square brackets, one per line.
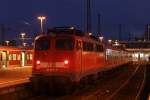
[18, 58]
[10, 57]
[31, 56]
[64, 44]
[28, 57]
[14, 56]
[42, 44]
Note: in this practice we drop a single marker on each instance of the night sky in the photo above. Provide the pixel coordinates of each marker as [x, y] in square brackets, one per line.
[21, 15]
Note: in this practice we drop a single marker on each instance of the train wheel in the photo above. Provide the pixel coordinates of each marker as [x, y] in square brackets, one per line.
[35, 85]
[70, 87]
[83, 83]
[99, 75]
[91, 79]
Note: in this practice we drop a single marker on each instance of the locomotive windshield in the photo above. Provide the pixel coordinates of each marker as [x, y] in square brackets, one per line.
[64, 44]
[42, 44]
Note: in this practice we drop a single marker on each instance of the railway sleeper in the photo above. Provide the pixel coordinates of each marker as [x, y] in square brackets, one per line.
[21, 92]
[51, 86]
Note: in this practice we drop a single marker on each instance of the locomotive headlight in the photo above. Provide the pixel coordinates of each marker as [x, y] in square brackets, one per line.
[38, 62]
[66, 62]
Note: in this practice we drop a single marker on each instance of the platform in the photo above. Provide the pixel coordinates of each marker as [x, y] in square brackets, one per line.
[14, 76]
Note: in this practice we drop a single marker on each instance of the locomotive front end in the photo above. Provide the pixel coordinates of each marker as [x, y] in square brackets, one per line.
[53, 60]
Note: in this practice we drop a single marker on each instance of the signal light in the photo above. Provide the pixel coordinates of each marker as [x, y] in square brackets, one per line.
[66, 62]
[38, 62]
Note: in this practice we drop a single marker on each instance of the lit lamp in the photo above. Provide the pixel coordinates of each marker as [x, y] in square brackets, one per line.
[7, 42]
[24, 44]
[41, 18]
[89, 33]
[116, 43]
[101, 38]
[72, 28]
[23, 35]
[109, 41]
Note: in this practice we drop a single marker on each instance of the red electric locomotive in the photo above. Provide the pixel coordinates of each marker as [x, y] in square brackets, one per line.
[66, 55]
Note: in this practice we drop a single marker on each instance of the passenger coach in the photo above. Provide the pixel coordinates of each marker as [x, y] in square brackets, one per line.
[11, 57]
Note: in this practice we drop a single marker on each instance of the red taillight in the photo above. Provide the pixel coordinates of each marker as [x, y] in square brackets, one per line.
[66, 62]
[38, 62]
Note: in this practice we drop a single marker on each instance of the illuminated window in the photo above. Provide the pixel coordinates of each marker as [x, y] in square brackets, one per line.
[14, 56]
[18, 58]
[28, 57]
[4, 56]
[31, 56]
[10, 57]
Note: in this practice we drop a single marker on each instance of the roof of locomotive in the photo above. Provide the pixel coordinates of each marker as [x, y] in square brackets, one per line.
[67, 31]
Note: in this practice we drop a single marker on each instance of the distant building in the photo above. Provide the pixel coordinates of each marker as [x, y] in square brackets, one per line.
[147, 32]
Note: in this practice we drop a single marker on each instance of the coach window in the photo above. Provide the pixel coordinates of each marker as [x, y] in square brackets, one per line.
[28, 57]
[14, 56]
[10, 56]
[18, 58]
[31, 56]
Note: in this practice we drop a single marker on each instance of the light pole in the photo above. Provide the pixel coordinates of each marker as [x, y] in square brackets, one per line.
[110, 42]
[41, 18]
[23, 37]
[24, 44]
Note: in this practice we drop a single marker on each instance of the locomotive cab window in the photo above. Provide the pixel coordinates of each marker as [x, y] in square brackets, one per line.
[88, 46]
[99, 48]
[42, 44]
[64, 44]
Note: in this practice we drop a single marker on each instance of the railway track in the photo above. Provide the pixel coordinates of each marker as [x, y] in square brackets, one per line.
[126, 87]
[119, 84]
[16, 92]
[132, 88]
